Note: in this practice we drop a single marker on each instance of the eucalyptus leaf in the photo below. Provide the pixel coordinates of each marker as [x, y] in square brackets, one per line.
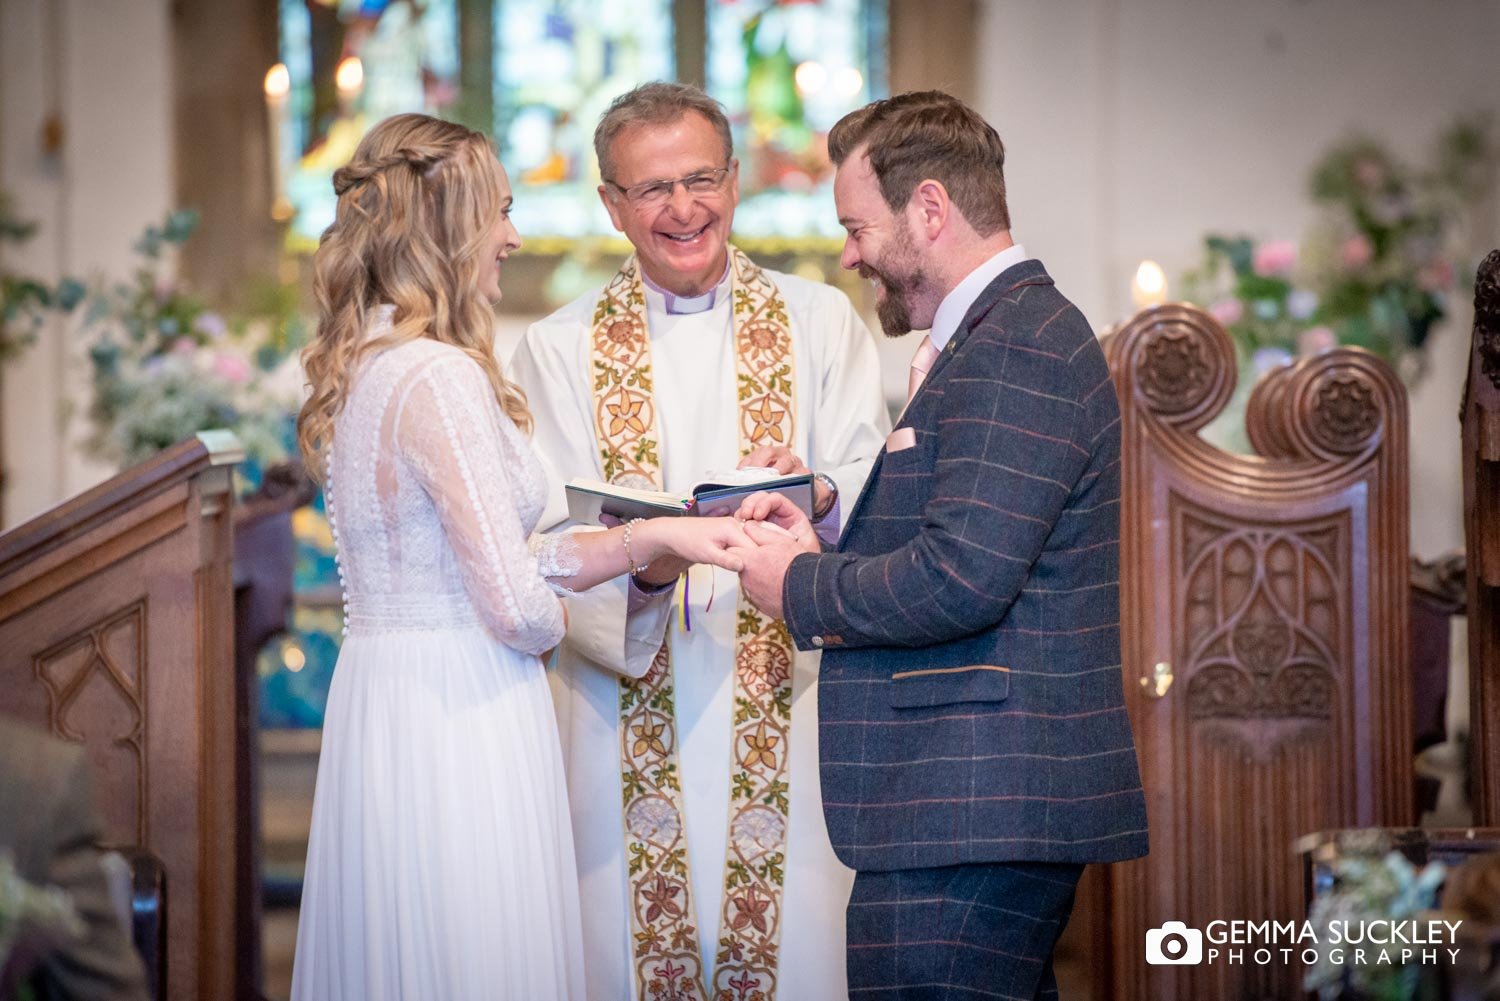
[70, 292]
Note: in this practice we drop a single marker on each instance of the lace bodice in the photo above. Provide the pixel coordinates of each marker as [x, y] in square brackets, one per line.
[433, 494]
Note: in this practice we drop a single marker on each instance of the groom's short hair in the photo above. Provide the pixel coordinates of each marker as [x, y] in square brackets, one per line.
[925, 135]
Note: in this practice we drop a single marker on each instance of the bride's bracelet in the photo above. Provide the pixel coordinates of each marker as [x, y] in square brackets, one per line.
[630, 560]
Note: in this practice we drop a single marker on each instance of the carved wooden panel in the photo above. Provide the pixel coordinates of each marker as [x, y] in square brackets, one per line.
[1264, 635]
[1481, 461]
[116, 627]
[95, 682]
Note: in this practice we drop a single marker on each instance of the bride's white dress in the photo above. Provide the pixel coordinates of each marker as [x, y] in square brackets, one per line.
[440, 864]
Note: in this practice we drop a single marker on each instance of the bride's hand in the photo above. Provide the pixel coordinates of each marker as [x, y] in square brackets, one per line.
[698, 540]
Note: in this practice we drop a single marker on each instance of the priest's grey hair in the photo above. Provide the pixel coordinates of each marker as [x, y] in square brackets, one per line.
[658, 103]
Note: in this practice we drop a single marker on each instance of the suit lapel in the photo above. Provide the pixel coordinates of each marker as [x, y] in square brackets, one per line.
[1007, 285]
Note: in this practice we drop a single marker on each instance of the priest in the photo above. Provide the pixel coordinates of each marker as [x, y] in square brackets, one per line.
[688, 719]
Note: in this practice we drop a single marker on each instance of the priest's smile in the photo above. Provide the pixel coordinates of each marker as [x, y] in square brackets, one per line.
[671, 187]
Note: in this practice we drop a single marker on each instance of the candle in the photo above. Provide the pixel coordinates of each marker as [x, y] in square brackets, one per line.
[349, 77]
[278, 85]
[1149, 287]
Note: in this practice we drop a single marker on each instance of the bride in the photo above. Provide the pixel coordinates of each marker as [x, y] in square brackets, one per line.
[440, 863]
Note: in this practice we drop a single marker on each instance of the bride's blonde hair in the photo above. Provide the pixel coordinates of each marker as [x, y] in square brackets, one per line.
[416, 207]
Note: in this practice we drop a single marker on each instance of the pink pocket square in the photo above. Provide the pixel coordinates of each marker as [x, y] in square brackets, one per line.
[900, 438]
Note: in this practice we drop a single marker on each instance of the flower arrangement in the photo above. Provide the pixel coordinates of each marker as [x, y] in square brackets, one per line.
[1370, 883]
[1375, 272]
[31, 915]
[23, 301]
[164, 366]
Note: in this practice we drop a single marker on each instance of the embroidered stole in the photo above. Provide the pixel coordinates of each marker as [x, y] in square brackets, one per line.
[664, 939]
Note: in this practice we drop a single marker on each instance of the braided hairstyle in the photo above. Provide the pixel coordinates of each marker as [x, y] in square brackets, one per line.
[416, 207]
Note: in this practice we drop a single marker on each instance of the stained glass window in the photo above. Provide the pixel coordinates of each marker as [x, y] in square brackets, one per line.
[558, 64]
[351, 63]
[787, 70]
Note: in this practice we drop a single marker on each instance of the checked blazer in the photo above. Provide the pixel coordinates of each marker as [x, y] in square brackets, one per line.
[970, 699]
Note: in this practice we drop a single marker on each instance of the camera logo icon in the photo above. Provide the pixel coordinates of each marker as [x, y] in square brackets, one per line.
[1174, 944]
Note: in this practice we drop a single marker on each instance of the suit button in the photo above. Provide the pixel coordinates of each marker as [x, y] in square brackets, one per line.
[817, 641]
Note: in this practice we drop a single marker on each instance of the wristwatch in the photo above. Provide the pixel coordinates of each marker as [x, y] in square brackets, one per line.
[819, 513]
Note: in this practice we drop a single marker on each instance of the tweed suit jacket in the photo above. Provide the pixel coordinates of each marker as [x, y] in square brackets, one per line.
[970, 696]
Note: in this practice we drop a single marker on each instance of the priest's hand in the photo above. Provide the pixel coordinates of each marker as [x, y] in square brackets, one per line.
[781, 533]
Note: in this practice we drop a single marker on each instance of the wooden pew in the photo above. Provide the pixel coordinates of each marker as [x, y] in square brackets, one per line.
[1481, 461]
[1265, 636]
[116, 632]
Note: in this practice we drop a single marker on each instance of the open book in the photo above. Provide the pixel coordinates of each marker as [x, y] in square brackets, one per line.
[716, 494]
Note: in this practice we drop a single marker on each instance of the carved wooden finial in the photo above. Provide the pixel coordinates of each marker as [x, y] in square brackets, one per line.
[1487, 316]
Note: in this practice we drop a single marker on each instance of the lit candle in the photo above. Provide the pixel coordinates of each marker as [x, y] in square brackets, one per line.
[349, 78]
[1149, 287]
[278, 85]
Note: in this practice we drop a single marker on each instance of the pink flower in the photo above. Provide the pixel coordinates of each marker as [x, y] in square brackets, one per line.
[232, 369]
[1356, 251]
[1227, 311]
[1369, 173]
[1315, 340]
[1436, 275]
[1275, 259]
[185, 346]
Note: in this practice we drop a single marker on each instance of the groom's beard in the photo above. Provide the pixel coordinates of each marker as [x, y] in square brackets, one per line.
[901, 275]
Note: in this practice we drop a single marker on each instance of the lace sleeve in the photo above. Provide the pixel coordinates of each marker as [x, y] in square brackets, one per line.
[557, 556]
[448, 430]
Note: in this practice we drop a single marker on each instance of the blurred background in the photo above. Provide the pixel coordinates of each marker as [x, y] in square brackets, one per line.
[1315, 172]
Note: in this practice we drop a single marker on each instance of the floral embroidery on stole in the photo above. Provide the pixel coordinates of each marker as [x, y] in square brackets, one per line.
[665, 941]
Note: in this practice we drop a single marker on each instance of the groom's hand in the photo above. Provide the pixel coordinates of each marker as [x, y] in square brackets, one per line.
[781, 533]
[787, 463]
[776, 509]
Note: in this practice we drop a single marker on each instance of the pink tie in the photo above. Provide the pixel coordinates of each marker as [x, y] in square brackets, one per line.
[921, 364]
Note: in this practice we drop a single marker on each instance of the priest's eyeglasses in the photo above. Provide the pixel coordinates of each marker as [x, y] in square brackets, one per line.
[650, 194]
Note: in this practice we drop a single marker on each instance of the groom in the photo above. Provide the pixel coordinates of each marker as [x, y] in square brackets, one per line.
[975, 751]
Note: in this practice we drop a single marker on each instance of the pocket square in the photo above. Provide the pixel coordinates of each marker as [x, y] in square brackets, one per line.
[900, 438]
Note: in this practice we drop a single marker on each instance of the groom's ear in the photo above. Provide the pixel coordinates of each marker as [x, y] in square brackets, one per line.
[929, 210]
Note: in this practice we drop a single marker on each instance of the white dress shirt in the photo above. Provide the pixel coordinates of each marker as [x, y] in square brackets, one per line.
[950, 312]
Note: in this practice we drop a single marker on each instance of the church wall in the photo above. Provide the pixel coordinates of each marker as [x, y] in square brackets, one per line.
[104, 68]
[1134, 128]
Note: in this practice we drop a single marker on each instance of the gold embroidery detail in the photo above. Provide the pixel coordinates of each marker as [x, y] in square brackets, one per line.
[667, 957]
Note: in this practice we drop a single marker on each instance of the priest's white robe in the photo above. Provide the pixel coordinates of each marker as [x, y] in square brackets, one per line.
[841, 423]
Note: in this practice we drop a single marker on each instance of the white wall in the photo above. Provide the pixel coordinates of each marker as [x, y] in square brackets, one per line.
[105, 67]
[1134, 127]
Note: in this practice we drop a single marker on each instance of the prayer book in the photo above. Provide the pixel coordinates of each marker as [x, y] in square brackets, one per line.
[716, 494]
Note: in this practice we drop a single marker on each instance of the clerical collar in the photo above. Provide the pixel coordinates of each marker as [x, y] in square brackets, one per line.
[682, 305]
[951, 311]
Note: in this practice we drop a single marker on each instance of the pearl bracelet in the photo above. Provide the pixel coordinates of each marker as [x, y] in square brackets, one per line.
[630, 560]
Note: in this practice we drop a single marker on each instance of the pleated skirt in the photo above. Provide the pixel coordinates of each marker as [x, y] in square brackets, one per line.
[440, 863]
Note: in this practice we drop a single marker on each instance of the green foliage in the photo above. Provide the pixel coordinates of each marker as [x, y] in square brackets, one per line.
[1369, 885]
[1378, 269]
[23, 301]
[165, 366]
